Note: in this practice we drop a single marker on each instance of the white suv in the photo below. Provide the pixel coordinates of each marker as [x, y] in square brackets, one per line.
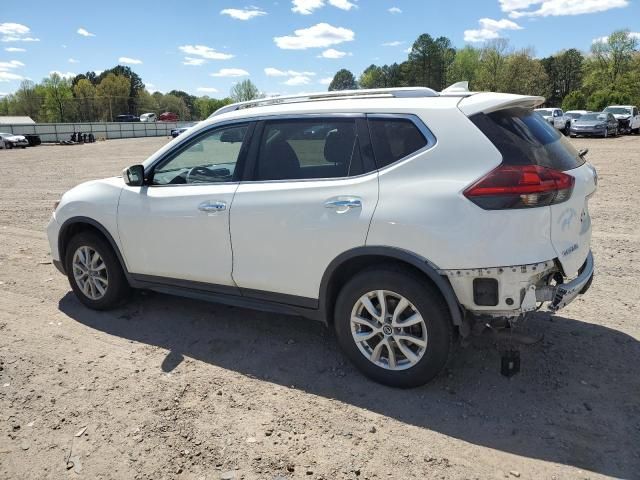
[400, 217]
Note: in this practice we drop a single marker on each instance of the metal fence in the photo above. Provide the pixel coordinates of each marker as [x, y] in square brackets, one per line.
[56, 132]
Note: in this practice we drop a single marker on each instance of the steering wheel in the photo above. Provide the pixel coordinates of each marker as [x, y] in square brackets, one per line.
[197, 172]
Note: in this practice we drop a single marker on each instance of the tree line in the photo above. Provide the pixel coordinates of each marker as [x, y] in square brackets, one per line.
[608, 74]
[93, 97]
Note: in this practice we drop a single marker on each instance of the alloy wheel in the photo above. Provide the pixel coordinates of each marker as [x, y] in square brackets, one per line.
[90, 272]
[388, 330]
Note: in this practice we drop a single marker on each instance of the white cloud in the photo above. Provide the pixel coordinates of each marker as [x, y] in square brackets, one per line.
[9, 77]
[605, 39]
[84, 32]
[318, 36]
[333, 53]
[194, 61]
[16, 32]
[395, 43]
[204, 52]
[298, 80]
[129, 61]
[326, 80]
[243, 14]
[394, 10]
[489, 28]
[73, 60]
[207, 89]
[67, 75]
[231, 72]
[274, 72]
[306, 7]
[14, 49]
[556, 8]
[10, 65]
[342, 4]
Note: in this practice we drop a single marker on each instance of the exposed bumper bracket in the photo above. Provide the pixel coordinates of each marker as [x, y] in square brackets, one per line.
[563, 294]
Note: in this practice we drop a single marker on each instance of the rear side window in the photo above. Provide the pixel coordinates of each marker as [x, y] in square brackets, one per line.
[394, 138]
[307, 149]
[525, 138]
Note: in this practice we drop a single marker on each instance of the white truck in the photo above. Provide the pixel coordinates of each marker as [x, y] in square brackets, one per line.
[556, 117]
[627, 116]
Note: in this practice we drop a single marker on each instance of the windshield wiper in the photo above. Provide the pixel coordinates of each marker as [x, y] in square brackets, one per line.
[583, 152]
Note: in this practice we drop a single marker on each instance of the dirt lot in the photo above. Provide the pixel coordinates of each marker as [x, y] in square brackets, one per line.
[173, 388]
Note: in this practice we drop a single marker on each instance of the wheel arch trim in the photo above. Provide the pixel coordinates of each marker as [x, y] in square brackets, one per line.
[98, 226]
[392, 253]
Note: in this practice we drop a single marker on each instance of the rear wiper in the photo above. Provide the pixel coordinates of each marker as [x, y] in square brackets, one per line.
[583, 152]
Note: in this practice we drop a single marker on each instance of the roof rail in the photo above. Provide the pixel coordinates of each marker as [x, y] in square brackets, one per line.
[402, 92]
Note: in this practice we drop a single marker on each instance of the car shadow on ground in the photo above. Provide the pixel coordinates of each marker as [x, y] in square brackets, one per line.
[576, 401]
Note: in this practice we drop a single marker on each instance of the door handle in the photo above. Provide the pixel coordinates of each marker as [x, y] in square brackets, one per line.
[210, 207]
[343, 204]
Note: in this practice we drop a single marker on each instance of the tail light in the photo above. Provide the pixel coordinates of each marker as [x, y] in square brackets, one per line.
[520, 186]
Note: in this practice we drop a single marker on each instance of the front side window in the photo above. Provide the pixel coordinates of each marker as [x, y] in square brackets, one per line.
[306, 149]
[210, 159]
[394, 138]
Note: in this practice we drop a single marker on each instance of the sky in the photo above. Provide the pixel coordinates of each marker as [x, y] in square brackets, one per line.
[204, 47]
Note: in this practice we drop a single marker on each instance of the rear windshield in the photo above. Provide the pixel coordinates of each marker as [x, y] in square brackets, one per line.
[524, 138]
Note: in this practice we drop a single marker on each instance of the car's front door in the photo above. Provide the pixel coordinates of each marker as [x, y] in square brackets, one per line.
[177, 226]
[310, 196]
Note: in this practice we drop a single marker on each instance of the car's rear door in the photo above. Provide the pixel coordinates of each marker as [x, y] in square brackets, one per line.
[310, 194]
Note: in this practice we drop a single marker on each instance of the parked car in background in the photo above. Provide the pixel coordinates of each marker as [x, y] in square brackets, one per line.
[177, 131]
[148, 117]
[556, 117]
[127, 118]
[33, 140]
[574, 114]
[13, 141]
[339, 209]
[628, 117]
[168, 117]
[594, 124]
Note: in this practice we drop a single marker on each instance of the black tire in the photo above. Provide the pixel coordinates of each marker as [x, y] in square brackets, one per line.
[567, 129]
[428, 303]
[636, 131]
[117, 290]
[8, 145]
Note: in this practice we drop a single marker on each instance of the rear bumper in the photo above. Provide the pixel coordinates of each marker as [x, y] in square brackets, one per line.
[562, 295]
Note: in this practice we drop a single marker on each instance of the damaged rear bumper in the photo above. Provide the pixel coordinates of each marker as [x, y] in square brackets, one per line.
[562, 295]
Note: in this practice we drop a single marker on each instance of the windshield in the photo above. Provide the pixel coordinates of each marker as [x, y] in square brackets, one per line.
[544, 112]
[594, 116]
[618, 110]
[573, 115]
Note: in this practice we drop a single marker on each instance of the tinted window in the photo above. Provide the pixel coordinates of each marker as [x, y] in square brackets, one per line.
[212, 158]
[635, 111]
[394, 138]
[524, 138]
[303, 149]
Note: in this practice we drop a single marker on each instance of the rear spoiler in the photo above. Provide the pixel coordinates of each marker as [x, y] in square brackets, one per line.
[490, 102]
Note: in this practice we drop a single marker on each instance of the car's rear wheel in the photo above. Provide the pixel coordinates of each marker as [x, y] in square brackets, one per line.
[394, 327]
[94, 272]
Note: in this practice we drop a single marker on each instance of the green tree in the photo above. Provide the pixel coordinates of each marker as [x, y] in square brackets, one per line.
[57, 98]
[430, 59]
[524, 75]
[493, 57]
[343, 80]
[85, 94]
[244, 91]
[171, 103]
[565, 73]
[113, 91]
[135, 85]
[574, 101]
[189, 101]
[464, 66]
[27, 101]
[205, 106]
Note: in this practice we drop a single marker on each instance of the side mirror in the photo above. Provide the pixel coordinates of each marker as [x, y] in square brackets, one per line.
[134, 175]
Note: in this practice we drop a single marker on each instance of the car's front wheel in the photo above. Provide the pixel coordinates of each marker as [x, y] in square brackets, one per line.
[394, 327]
[94, 272]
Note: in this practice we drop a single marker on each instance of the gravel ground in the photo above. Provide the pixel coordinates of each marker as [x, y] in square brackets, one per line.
[172, 388]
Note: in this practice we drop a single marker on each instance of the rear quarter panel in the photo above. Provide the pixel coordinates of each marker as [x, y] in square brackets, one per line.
[422, 208]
